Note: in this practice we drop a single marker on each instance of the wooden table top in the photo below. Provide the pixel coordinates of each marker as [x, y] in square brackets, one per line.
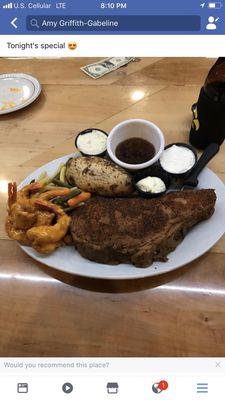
[48, 313]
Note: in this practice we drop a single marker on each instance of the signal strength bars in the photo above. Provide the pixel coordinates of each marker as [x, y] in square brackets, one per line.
[8, 5]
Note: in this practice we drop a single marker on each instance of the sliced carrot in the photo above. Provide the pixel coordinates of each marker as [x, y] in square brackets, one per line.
[84, 196]
[46, 205]
[34, 187]
[50, 194]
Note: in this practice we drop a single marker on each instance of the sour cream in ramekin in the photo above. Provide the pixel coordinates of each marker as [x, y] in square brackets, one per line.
[178, 159]
[92, 142]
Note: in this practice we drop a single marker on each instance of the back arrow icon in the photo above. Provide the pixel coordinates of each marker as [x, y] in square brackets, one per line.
[13, 23]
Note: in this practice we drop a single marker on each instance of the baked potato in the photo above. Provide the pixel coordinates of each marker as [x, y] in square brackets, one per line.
[100, 176]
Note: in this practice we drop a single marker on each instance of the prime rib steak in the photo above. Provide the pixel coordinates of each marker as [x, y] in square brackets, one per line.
[136, 230]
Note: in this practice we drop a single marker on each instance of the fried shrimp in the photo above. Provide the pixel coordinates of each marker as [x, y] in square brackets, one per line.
[30, 217]
[24, 194]
[22, 213]
[45, 239]
[16, 234]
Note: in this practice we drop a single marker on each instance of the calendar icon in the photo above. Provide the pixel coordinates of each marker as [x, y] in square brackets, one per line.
[22, 388]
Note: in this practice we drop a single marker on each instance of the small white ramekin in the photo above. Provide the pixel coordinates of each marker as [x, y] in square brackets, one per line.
[140, 128]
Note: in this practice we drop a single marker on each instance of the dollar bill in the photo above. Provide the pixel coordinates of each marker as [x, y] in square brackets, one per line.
[103, 67]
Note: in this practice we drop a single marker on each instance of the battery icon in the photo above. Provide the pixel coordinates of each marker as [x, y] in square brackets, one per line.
[215, 6]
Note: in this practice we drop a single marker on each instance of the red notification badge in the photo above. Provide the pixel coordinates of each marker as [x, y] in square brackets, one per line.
[163, 385]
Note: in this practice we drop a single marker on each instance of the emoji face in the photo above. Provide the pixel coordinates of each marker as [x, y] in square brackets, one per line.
[72, 45]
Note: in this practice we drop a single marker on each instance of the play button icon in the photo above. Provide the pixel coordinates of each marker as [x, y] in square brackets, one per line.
[67, 388]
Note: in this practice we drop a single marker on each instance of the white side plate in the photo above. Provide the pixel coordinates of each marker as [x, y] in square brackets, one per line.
[17, 91]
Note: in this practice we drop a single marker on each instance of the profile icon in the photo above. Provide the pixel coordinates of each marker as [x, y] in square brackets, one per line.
[211, 26]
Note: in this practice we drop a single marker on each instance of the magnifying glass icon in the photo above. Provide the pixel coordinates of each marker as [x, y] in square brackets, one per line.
[34, 23]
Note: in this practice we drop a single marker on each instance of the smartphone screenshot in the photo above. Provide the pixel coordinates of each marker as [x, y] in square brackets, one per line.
[112, 200]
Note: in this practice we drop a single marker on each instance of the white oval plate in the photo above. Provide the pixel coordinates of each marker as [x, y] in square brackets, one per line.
[198, 241]
[17, 91]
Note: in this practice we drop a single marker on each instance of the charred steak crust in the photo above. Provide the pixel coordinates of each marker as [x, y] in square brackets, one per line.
[137, 230]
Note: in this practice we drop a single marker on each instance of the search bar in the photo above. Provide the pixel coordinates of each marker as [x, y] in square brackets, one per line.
[139, 23]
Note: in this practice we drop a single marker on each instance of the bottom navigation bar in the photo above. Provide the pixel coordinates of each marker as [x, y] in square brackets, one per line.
[114, 386]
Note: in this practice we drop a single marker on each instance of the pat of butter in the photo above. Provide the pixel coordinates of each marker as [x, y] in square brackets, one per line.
[151, 184]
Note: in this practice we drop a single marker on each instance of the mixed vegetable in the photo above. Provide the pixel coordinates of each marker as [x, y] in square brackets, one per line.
[65, 195]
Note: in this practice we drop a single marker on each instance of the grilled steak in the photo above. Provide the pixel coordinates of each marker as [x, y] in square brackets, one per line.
[137, 230]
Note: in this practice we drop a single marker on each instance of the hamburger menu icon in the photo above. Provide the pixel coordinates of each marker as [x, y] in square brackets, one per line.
[160, 386]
